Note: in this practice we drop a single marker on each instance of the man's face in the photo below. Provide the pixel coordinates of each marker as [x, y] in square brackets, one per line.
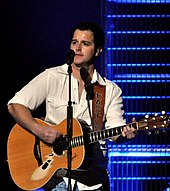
[83, 45]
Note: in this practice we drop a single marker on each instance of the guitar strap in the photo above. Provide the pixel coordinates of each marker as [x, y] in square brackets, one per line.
[96, 93]
[98, 103]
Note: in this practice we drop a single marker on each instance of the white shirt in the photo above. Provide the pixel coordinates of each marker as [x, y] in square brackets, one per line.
[52, 86]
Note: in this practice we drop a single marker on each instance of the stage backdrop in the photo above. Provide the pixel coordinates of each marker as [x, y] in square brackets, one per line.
[137, 59]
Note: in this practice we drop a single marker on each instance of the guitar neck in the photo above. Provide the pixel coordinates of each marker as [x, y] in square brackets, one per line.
[108, 133]
[147, 124]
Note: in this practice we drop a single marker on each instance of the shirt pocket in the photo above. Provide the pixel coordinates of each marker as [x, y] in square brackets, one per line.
[56, 109]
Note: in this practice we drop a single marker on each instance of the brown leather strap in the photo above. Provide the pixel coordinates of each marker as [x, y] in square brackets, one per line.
[98, 106]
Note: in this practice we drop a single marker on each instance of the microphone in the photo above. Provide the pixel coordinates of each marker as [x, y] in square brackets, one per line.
[87, 83]
[70, 56]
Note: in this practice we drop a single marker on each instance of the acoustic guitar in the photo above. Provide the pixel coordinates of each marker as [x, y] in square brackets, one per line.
[33, 162]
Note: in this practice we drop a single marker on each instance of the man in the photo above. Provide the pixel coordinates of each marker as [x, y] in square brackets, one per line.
[51, 86]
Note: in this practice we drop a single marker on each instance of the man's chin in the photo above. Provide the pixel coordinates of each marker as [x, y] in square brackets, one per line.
[79, 65]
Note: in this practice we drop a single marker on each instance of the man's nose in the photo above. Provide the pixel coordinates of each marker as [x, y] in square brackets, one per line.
[78, 47]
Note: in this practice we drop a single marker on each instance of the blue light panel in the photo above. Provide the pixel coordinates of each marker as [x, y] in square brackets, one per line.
[138, 48]
[143, 16]
[142, 76]
[139, 151]
[146, 97]
[137, 59]
[141, 81]
[139, 1]
[137, 32]
[137, 65]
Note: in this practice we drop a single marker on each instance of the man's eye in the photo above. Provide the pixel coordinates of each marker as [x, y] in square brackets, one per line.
[74, 42]
[86, 43]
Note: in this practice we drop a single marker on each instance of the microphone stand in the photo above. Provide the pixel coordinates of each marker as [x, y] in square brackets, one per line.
[69, 60]
[69, 129]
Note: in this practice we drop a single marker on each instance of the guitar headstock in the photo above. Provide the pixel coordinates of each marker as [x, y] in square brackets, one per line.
[154, 122]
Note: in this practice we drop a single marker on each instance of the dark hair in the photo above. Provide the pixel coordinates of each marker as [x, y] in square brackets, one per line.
[98, 33]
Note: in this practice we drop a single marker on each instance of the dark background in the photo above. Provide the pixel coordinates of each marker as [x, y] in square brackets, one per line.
[35, 35]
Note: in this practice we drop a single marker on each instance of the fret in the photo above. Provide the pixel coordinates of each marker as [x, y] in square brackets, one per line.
[107, 135]
[110, 132]
[99, 135]
[93, 138]
[96, 136]
[72, 143]
[77, 141]
[81, 140]
[120, 130]
[90, 138]
[103, 134]
[116, 131]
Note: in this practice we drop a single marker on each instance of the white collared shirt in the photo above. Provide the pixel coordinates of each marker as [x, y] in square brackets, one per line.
[52, 86]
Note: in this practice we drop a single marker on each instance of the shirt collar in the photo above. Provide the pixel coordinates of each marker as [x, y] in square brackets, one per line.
[96, 76]
[63, 69]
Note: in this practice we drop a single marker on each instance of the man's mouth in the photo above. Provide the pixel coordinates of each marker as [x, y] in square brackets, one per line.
[78, 55]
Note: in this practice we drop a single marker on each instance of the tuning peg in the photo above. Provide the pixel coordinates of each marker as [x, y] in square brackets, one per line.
[165, 122]
[155, 114]
[148, 133]
[162, 125]
[163, 112]
[146, 116]
[156, 132]
[153, 118]
[164, 131]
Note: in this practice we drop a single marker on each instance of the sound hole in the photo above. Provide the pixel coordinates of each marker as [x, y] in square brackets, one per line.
[60, 145]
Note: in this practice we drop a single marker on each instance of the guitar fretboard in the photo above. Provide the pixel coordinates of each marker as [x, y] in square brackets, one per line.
[104, 134]
[100, 135]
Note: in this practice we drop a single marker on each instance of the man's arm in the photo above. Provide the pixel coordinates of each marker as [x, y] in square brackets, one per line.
[23, 116]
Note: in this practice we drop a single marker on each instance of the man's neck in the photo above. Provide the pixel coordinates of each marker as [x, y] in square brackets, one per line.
[76, 71]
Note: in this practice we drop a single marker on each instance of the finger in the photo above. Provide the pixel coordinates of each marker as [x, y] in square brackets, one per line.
[133, 119]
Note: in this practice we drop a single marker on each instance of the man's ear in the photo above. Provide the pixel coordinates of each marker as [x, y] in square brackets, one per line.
[98, 51]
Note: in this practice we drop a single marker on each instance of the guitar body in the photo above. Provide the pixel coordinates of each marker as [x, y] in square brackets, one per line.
[24, 168]
[32, 162]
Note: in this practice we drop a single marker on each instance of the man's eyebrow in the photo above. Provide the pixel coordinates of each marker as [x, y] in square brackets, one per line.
[83, 40]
